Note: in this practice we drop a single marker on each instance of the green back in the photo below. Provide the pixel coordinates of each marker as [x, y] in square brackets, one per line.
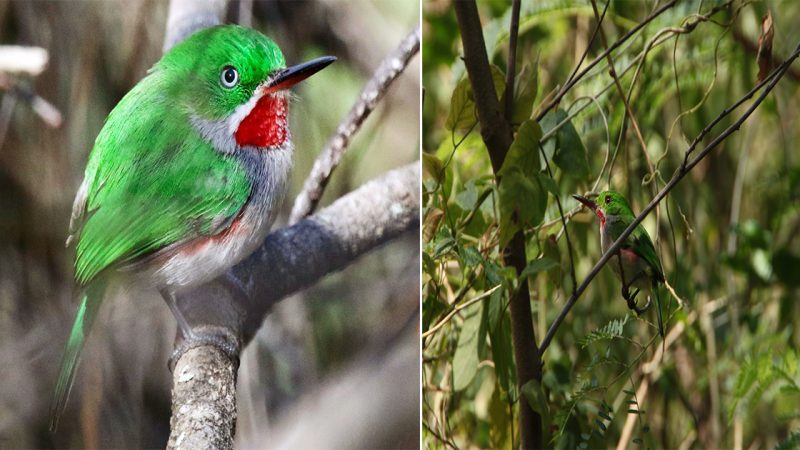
[151, 179]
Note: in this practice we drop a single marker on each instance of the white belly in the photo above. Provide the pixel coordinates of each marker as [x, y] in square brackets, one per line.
[207, 258]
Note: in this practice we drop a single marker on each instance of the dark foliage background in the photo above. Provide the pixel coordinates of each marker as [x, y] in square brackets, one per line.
[727, 235]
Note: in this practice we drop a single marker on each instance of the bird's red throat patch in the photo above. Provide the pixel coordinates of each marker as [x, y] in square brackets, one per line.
[267, 124]
[600, 216]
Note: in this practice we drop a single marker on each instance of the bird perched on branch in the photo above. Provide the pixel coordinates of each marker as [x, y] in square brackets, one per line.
[636, 263]
[186, 176]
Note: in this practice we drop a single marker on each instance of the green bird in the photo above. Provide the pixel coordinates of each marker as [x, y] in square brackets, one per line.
[637, 264]
[185, 177]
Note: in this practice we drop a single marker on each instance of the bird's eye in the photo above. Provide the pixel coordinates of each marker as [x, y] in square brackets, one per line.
[608, 199]
[229, 77]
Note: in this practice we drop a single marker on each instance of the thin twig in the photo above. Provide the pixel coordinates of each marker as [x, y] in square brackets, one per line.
[389, 69]
[625, 99]
[511, 66]
[567, 86]
[41, 107]
[768, 84]
[563, 222]
[458, 308]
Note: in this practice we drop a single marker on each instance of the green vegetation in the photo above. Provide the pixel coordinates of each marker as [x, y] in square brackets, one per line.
[727, 234]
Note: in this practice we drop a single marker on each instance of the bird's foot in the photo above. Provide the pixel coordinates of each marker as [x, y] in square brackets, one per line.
[213, 336]
[632, 305]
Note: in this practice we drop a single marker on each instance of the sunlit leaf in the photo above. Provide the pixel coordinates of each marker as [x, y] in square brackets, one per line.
[565, 146]
[538, 265]
[536, 398]
[466, 359]
[523, 155]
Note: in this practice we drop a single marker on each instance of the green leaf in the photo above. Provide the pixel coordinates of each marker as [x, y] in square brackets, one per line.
[791, 442]
[500, 337]
[565, 146]
[526, 83]
[534, 394]
[432, 166]
[470, 257]
[538, 265]
[500, 418]
[466, 199]
[549, 184]
[611, 330]
[761, 264]
[523, 155]
[462, 115]
[466, 358]
[522, 204]
[443, 246]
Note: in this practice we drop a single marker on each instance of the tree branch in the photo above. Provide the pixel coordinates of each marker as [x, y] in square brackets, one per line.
[203, 400]
[768, 84]
[391, 67]
[497, 134]
[495, 130]
[292, 259]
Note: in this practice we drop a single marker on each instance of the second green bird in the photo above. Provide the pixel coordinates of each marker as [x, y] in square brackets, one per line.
[637, 264]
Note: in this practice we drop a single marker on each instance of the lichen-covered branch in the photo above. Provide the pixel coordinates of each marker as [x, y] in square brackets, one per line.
[203, 400]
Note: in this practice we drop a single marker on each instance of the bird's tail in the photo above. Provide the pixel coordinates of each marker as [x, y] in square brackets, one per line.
[660, 318]
[87, 312]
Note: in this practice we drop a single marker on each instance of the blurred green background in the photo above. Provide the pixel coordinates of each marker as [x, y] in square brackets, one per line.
[727, 235]
[97, 51]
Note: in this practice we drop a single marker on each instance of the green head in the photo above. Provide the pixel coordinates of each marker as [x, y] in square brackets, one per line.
[232, 82]
[607, 203]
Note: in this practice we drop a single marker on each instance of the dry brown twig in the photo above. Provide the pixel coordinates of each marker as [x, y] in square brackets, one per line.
[390, 68]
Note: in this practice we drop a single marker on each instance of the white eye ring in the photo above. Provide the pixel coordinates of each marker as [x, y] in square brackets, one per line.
[229, 77]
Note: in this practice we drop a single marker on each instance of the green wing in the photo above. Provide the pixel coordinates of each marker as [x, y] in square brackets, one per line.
[643, 247]
[151, 181]
[639, 241]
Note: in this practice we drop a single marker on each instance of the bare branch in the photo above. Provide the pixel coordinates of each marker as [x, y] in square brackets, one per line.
[331, 155]
[187, 16]
[768, 84]
[203, 400]
[495, 130]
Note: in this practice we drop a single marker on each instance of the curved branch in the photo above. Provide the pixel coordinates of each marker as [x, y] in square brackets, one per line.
[574, 80]
[331, 155]
[768, 84]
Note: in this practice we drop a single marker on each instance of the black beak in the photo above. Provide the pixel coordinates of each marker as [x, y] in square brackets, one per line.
[589, 203]
[288, 77]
